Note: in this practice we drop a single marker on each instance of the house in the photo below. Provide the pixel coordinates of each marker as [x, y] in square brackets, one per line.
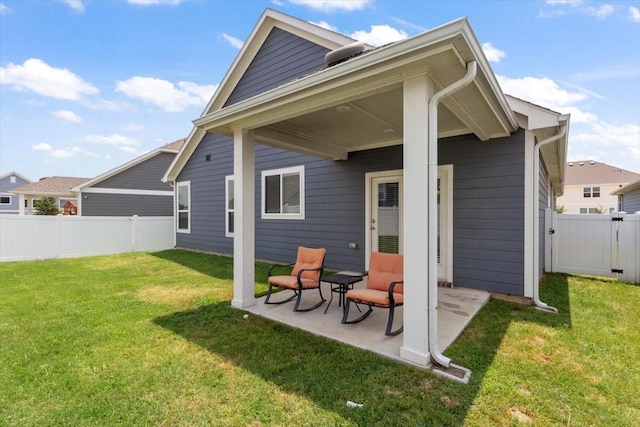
[134, 188]
[629, 197]
[58, 187]
[9, 201]
[411, 146]
[590, 187]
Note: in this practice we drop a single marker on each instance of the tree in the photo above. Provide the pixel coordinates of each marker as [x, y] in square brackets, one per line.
[560, 209]
[46, 206]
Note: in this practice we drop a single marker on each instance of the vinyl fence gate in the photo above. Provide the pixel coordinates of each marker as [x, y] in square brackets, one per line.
[599, 245]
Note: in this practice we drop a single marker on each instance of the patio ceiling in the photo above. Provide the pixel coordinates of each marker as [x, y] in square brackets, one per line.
[358, 104]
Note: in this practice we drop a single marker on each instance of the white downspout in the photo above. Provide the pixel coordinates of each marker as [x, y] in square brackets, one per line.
[432, 282]
[536, 221]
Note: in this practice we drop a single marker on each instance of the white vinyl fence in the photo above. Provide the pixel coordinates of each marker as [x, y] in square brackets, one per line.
[31, 237]
[601, 245]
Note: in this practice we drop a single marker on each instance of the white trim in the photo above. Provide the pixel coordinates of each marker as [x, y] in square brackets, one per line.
[227, 179]
[368, 188]
[10, 196]
[290, 170]
[130, 191]
[529, 203]
[188, 210]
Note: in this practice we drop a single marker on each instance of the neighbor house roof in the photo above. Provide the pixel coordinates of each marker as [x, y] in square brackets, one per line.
[59, 186]
[16, 174]
[171, 147]
[585, 172]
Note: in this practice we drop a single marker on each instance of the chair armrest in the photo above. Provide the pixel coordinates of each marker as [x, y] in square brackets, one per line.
[392, 286]
[272, 266]
[302, 270]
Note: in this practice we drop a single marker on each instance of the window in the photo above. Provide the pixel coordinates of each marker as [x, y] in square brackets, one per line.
[591, 192]
[12, 179]
[283, 193]
[590, 210]
[5, 200]
[184, 206]
[229, 206]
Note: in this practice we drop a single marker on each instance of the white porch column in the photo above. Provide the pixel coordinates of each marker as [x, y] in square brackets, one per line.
[244, 219]
[417, 92]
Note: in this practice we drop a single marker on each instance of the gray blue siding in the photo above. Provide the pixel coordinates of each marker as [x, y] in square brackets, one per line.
[146, 175]
[5, 186]
[99, 204]
[631, 201]
[282, 58]
[488, 212]
[543, 203]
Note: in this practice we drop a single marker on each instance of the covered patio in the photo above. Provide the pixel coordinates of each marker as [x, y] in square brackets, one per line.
[456, 308]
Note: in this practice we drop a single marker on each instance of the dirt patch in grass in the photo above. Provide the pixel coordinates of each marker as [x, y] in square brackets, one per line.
[173, 296]
[520, 415]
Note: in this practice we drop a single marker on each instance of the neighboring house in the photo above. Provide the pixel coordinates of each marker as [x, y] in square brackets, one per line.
[9, 202]
[589, 187]
[629, 197]
[58, 187]
[349, 156]
[135, 188]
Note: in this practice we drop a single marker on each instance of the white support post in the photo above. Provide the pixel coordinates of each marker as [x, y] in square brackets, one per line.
[244, 219]
[417, 92]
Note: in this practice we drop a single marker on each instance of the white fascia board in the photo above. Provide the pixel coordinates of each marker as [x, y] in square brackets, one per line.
[129, 191]
[537, 117]
[119, 169]
[180, 160]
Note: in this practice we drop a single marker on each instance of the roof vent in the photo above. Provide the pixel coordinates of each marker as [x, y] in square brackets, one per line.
[344, 53]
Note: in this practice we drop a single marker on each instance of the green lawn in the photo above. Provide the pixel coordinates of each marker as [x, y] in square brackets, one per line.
[150, 339]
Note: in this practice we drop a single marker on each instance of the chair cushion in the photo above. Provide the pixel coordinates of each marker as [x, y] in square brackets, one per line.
[384, 269]
[291, 282]
[374, 296]
[309, 258]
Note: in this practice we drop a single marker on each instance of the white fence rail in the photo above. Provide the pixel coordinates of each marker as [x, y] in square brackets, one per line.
[601, 245]
[31, 237]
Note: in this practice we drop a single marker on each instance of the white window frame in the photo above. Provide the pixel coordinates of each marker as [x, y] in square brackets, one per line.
[283, 171]
[7, 196]
[228, 179]
[186, 184]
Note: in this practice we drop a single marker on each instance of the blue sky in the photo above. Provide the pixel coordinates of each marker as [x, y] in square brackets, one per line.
[87, 85]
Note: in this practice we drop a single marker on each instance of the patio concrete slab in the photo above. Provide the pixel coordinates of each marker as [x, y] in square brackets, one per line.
[456, 308]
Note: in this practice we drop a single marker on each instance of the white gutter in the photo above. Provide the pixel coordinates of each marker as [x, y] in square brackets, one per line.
[432, 222]
[536, 220]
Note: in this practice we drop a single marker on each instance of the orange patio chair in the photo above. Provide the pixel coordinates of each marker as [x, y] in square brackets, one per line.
[305, 274]
[384, 288]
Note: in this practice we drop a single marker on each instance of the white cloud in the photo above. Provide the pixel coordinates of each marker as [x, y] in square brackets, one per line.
[634, 14]
[164, 94]
[325, 25]
[541, 91]
[36, 76]
[74, 4]
[493, 54]
[115, 140]
[61, 153]
[602, 11]
[379, 35]
[3, 9]
[333, 5]
[611, 72]
[234, 42]
[43, 146]
[67, 115]
[153, 2]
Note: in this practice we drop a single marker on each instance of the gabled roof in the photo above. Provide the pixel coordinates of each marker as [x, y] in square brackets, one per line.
[16, 174]
[59, 186]
[590, 172]
[172, 148]
[269, 20]
[545, 123]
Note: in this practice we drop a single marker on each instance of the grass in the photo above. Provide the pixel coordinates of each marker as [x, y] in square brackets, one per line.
[150, 339]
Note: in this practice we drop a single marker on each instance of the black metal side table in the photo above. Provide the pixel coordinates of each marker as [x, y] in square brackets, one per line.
[341, 283]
